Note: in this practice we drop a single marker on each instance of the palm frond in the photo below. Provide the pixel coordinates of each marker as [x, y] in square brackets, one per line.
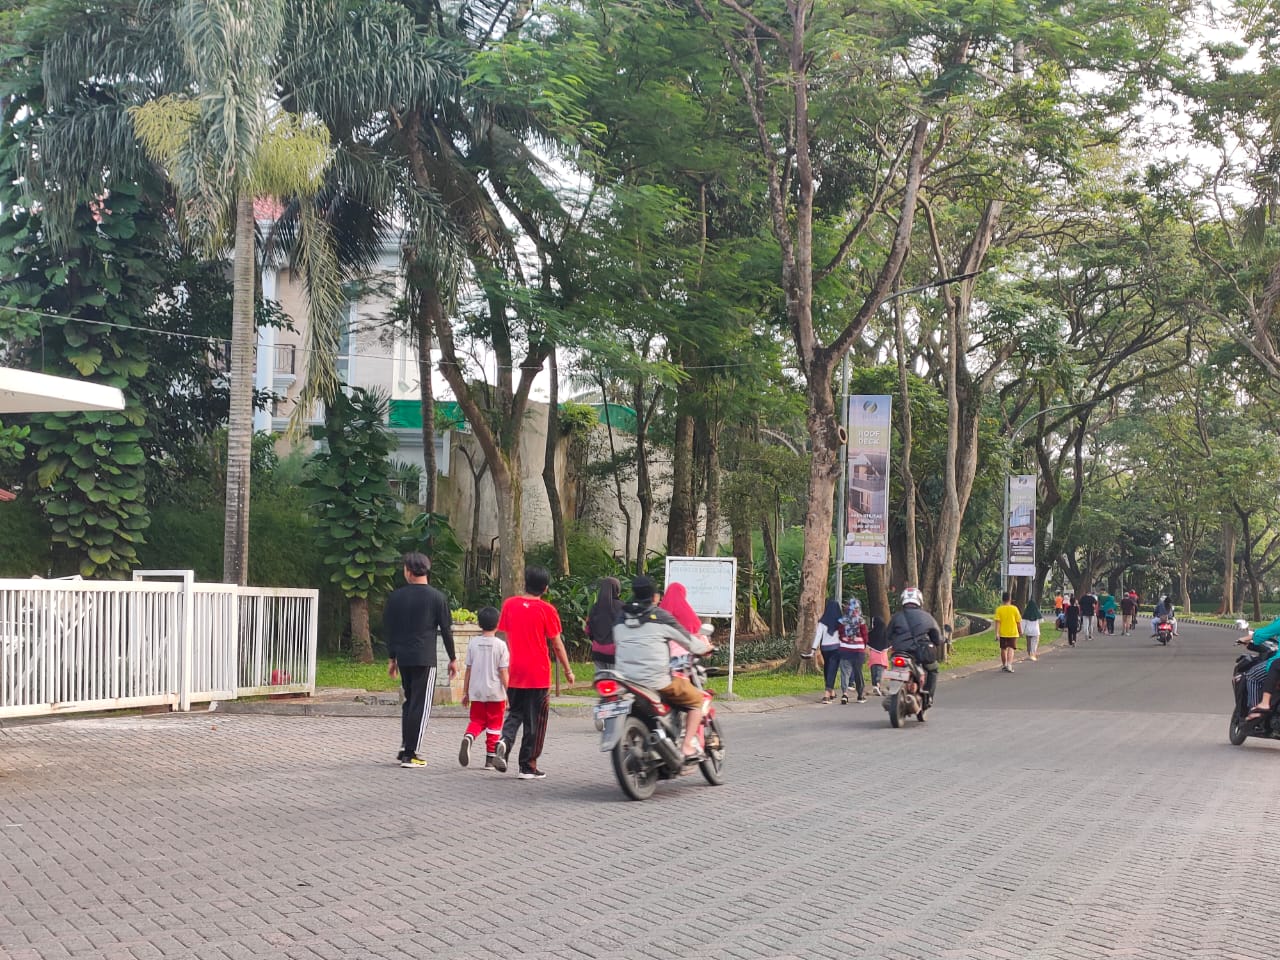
[317, 261]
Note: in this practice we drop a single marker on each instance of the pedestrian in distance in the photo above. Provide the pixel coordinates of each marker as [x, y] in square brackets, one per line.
[1109, 608]
[529, 624]
[877, 652]
[1057, 605]
[485, 687]
[1071, 617]
[604, 615]
[826, 638]
[1088, 614]
[1031, 618]
[1008, 629]
[1128, 612]
[853, 651]
[411, 619]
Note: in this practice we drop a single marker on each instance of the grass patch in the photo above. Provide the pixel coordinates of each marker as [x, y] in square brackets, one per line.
[336, 670]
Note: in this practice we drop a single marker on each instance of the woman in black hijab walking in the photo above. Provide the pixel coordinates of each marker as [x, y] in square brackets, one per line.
[606, 612]
[826, 637]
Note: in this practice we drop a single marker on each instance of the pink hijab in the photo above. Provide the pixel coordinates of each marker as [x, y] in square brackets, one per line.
[676, 602]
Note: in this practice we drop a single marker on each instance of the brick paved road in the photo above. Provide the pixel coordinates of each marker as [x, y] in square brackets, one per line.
[1067, 811]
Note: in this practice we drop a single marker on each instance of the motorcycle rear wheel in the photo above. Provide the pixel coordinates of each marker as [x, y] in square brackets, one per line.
[636, 775]
[895, 712]
[1235, 732]
[712, 766]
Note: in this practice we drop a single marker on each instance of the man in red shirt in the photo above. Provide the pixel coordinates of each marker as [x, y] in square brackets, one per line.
[529, 623]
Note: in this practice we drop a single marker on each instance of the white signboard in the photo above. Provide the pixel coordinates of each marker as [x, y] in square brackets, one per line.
[711, 582]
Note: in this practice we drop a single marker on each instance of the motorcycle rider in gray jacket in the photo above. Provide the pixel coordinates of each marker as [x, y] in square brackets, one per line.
[642, 656]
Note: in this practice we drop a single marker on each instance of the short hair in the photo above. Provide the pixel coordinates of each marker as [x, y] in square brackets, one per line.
[487, 617]
[643, 588]
[536, 580]
[1005, 597]
[418, 564]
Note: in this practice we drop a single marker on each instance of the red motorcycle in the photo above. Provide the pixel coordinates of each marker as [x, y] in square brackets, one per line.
[645, 735]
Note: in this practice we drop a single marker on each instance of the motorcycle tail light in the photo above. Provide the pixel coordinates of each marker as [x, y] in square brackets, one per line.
[899, 661]
[606, 688]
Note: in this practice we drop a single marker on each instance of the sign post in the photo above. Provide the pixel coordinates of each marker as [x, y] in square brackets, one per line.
[712, 587]
[1020, 532]
[866, 485]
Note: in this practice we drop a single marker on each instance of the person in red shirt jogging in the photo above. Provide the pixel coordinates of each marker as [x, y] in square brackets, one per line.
[529, 623]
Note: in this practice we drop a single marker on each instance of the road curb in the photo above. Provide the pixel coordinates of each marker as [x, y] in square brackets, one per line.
[374, 704]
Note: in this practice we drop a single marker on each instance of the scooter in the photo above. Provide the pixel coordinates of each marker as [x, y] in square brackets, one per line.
[1164, 631]
[1240, 729]
[907, 694]
[645, 735]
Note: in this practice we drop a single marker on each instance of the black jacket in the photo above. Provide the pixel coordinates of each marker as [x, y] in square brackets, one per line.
[912, 630]
[410, 620]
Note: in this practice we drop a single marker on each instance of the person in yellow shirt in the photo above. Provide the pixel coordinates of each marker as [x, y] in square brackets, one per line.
[1008, 629]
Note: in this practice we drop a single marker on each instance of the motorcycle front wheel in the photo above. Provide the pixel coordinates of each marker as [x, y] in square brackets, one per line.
[636, 775]
[1235, 732]
[712, 766]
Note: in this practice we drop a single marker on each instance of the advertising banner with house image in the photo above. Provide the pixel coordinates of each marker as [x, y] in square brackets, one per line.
[866, 514]
[1022, 526]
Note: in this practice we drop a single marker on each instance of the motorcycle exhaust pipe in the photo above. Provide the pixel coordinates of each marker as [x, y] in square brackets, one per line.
[665, 746]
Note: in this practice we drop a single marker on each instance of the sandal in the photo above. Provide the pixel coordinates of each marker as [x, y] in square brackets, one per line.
[1258, 713]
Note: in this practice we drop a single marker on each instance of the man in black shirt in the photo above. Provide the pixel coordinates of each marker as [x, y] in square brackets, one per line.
[410, 620]
[1088, 611]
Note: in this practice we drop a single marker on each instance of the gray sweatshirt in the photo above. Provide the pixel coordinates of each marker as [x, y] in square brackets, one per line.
[641, 640]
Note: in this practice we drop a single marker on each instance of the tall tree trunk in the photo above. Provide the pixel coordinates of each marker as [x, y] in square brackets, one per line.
[644, 482]
[235, 544]
[429, 307]
[617, 474]
[777, 623]
[682, 520]
[877, 590]
[904, 460]
[1249, 570]
[824, 472]
[711, 542]
[1228, 568]
[508, 488]
[559, 536]
[744, 551]
[361, 646]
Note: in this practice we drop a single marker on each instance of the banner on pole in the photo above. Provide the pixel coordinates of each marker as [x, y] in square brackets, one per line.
[866, 502]
[1021, 529]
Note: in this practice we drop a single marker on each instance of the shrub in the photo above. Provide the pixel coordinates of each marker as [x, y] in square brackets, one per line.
[26, 537]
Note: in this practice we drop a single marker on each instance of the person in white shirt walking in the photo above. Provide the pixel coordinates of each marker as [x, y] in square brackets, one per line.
[485, 687]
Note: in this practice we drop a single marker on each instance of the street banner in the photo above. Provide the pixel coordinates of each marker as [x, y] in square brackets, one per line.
[1021, 529]
[866, 502]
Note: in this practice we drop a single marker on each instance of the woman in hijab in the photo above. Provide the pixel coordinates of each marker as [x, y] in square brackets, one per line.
[853, 651]
[676, 602]
[826, 637]
[877, 652]
[606, 612]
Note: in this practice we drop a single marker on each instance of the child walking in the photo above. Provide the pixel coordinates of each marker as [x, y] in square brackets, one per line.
[485, 687]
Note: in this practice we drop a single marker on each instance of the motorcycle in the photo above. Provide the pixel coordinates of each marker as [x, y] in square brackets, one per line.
[1240, 729]
[906, 689]
[645, 735]
[1164, 630]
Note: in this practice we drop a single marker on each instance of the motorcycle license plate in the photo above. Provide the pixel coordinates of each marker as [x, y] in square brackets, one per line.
[613, 708]
[898, 674]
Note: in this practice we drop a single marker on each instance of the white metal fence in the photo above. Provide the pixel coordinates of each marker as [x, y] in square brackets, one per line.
[74, 645]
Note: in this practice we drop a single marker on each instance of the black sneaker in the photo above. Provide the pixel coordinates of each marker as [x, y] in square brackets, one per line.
[500, 757]
[488, 762]
[532, 775]
[464, 752]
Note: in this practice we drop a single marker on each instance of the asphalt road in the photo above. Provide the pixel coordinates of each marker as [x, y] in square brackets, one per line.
[1088, 806]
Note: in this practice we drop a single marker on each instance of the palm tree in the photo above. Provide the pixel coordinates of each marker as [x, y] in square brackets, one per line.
[238, 100]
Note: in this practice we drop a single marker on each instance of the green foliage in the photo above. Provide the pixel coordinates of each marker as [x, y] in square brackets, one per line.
[358, 523]
[24, 531]
[433, 535]
[577, 420]
[590, 554]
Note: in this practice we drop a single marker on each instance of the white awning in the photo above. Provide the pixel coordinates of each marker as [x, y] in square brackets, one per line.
[22, 391]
